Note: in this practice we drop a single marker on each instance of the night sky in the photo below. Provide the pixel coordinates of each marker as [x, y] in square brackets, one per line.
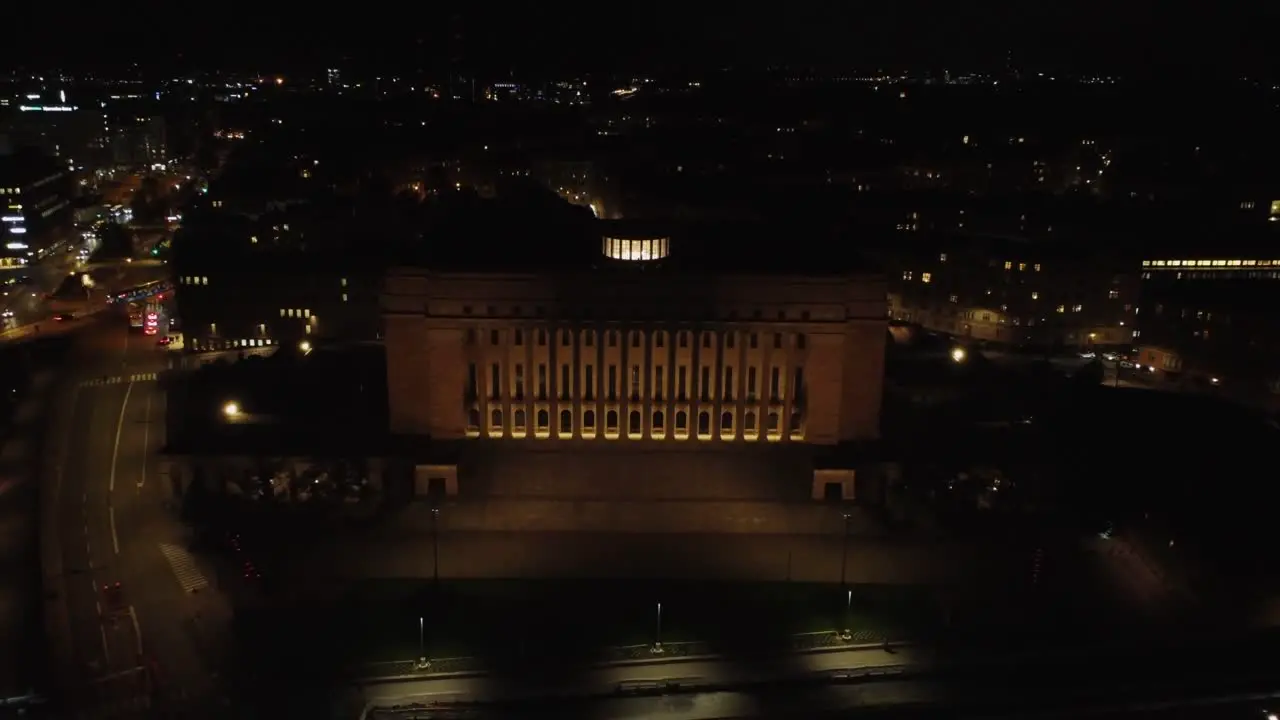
[1142, 36]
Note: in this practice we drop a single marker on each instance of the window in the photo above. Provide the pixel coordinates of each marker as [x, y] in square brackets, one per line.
[612, 390]
[494, 337]
[751, 383]
[635, 382]
[684, 339]
[519, 381]
[473, 418]
[797, 383]
[777, 341]
[542, 337]
[726, 421]
[495, 382]
[728, 384]
[706, 340]
[704, 387]
[728, 340]
[633, 423]
[613, 338]
[635, 339]
[495, 419]
[564, 382]
[589, 339]
[519, 337]
[800, 341]
[544, 420]
[926, 277]
[774, 382]
[681, 385]
[753, 341]
[518, 420]
[473, 382]
[566, 338]
[773, 422]
[542, 381]
[795, 423]
[657, 420]
[704, 423]
[657, 383]
[611, 421]
[749, 422]
[589, 420]
[589, 387]
[566, 422]
[471, 336]
[657, 339]
[682, 421]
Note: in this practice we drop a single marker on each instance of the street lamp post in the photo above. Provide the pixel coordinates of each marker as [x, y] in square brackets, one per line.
[657, 633]
[423, 663]
[844, 584]
[435, 546]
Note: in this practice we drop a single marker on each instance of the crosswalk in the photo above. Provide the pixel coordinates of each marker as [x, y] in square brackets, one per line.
[184, 568]
[118, 379]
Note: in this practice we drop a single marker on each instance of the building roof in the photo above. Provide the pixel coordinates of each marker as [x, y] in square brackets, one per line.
[743, 247]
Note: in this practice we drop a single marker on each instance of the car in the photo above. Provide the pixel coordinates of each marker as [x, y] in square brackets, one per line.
[7, 313]
[164, 341]
[113, 593]
[64, 317]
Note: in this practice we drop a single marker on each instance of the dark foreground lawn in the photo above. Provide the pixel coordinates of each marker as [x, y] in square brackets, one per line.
[379, 621]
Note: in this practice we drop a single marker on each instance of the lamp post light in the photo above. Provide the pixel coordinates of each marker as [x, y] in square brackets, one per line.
[231, 410]
[844, 585]
[435, 547]
[657, 633]
[423, 663]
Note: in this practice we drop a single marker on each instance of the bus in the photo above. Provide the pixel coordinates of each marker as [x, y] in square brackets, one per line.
[157, 288]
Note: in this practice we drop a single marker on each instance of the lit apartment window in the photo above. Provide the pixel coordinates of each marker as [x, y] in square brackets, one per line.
[926, 277]
[1035, 295]
[1008, 265]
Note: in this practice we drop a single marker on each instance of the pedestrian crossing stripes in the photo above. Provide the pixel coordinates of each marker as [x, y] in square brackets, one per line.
[118, 379]
[184, 568]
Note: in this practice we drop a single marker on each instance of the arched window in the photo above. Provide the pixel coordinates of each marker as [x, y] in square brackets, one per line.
[518, 419]
[704, 422]
[566, 421]
[682, 421]
[726, 421]
[773, 422]
[657, 420]
[544, 419]
[749, 421]
[589, 420]
[495, 419]
[473, 418]
[795, 423]
[633, 422]
[611, 420]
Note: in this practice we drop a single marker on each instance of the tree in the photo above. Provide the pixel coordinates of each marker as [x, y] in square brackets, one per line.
[149, 202]
[115, 241]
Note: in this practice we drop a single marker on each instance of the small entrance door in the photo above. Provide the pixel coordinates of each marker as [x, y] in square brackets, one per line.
[436, 489]
[832, 492]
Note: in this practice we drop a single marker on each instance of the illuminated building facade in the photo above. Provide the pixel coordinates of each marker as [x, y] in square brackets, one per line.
[633, 341]
[35, 199]
[1015, 293]
[1209, 322]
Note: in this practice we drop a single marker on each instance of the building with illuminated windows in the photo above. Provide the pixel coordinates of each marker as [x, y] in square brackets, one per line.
[1208, 323]
[35, 199]
[1014, 292]
[636, 351]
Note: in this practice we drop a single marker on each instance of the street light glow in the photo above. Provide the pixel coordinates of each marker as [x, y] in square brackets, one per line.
[231, 409]
[958, 354]
[304, 347]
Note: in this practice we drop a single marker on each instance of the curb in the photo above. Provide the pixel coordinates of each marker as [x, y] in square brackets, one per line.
[428, 676]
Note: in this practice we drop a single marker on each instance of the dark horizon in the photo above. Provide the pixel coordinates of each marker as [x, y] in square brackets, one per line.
[923, 36]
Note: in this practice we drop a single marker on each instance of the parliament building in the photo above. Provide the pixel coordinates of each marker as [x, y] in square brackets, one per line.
[636, 352]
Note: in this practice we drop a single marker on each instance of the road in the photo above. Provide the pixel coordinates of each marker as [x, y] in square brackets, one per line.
[152, 640]
[641, 677]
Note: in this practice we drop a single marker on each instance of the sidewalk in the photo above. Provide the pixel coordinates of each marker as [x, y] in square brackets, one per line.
[829, 641]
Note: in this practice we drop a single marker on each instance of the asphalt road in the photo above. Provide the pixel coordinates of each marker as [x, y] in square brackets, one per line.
[150, 643]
